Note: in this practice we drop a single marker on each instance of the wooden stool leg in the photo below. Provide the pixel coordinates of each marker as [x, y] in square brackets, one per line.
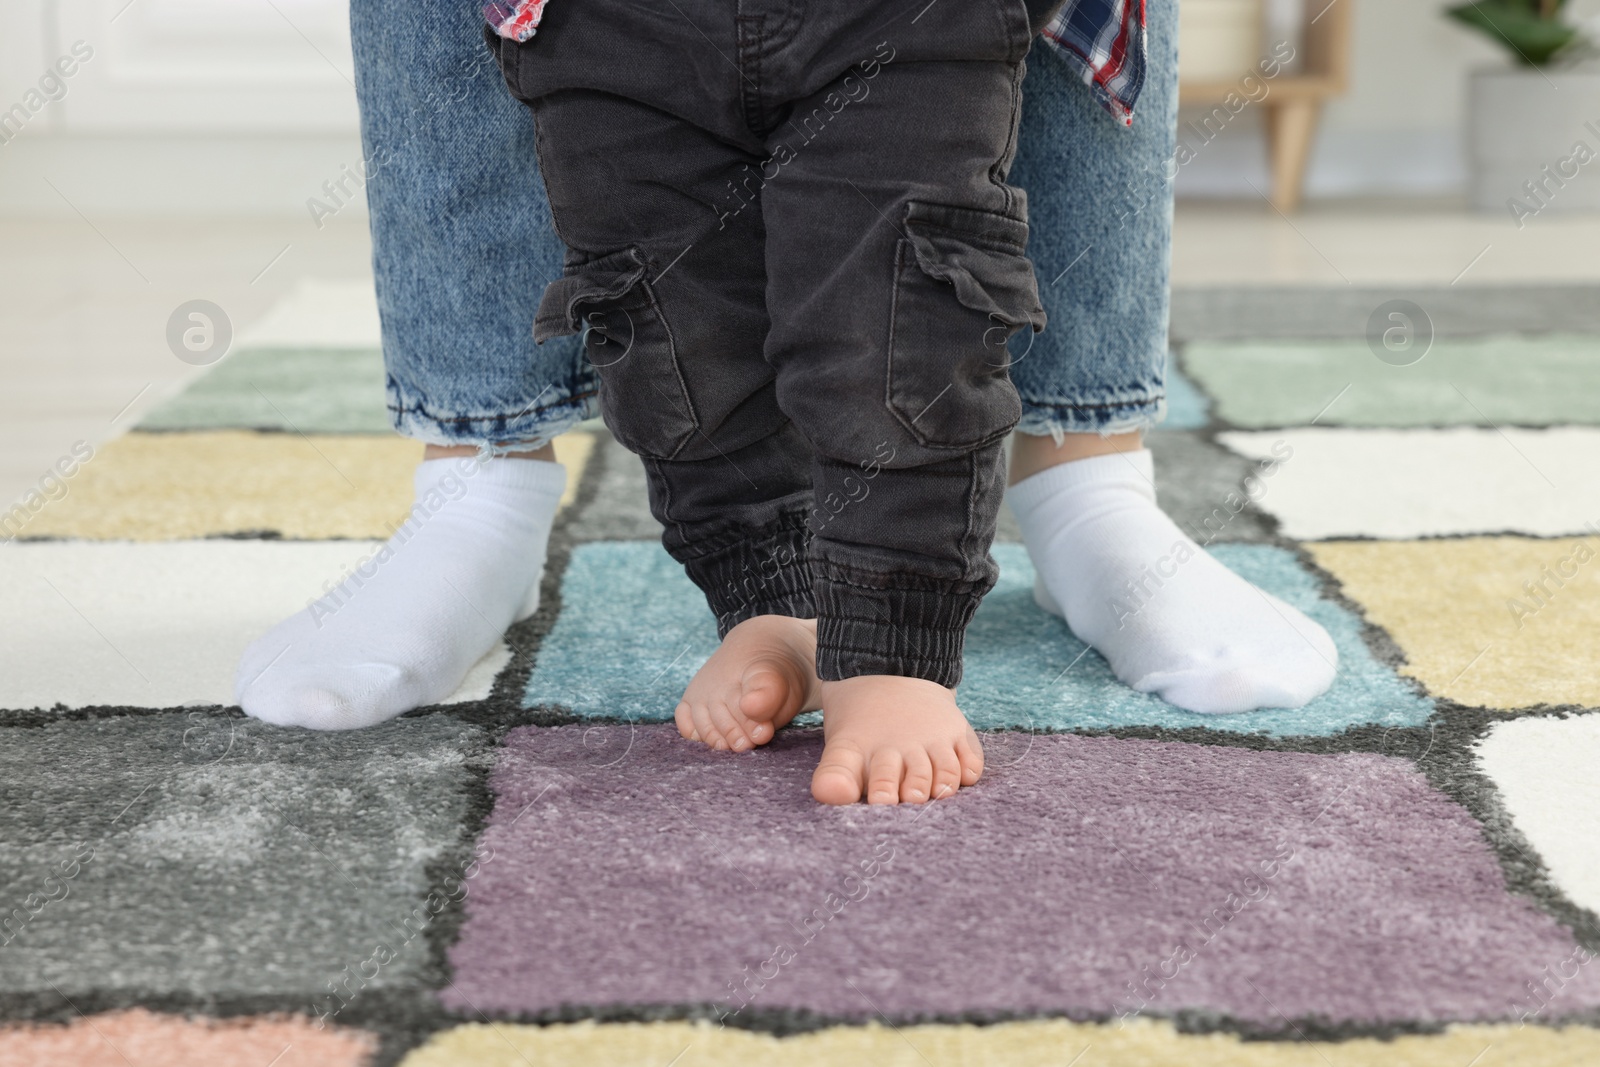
[1291, 126]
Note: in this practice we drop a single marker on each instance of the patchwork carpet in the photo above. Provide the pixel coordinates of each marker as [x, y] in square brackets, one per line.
[539, 871]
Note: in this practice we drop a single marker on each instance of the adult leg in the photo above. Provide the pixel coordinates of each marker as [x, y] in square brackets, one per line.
[1168, 617]
[462, 246]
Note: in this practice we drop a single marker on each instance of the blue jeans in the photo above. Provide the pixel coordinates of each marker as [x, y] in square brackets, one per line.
[463, 244]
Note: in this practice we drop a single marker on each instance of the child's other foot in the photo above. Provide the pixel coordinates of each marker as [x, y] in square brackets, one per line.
[761, 676]
[893, 740]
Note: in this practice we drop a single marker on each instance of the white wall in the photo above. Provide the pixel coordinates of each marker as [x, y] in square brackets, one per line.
[197, 107]
[1398, 131]
[182, 108]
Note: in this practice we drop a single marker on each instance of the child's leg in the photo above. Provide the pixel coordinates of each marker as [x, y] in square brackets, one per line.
[670, 284]
[896, 274]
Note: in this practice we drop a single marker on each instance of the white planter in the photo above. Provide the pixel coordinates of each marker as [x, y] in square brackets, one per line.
[1218, 40]
[1526, 126]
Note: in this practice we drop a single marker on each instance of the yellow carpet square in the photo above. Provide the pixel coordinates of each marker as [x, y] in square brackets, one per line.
[1502, 622]
[178, 486]
[1045, 1043]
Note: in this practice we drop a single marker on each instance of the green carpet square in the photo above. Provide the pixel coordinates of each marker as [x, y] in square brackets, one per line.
[303, 390]
[1476, 381]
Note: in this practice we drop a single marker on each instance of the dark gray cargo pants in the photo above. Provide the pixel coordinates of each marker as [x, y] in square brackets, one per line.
[798, 262]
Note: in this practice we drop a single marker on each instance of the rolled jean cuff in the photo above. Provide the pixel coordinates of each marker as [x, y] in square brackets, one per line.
[1051, 419]
[745, 574]
[864, 628]
[531, 427]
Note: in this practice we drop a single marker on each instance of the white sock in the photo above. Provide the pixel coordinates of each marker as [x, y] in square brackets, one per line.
[1167, 616]
[402, 630]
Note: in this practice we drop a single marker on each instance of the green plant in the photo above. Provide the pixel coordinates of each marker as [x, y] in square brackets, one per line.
[1531, 29]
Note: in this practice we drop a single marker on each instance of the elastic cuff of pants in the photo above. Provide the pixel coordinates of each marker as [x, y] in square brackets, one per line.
[909, 633]
[745, 574]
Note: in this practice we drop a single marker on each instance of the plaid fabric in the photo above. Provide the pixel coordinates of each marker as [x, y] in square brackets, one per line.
[516, 19]
[1103, 40]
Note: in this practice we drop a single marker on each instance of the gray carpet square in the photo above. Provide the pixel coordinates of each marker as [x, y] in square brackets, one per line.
[192, 853]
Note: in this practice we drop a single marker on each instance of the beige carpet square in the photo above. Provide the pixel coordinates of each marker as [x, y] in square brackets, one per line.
[1034, 1043]
[180, 486]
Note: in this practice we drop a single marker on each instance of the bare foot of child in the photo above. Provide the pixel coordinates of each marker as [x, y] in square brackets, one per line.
[761, 676]
[893, 740]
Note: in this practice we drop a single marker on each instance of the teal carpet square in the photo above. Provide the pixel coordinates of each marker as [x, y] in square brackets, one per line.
[1187, 407]
[633, 631]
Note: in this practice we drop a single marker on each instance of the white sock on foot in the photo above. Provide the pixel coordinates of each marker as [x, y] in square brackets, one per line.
[404, 628]
[1164, 613]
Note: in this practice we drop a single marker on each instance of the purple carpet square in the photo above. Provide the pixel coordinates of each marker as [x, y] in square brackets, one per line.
[1089, 877]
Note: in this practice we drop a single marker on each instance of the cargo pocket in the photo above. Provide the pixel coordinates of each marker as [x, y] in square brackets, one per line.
[962, 287]
[643, 396]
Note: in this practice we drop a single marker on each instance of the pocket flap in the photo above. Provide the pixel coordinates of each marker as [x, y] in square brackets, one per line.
[982, 255]
[605, 279]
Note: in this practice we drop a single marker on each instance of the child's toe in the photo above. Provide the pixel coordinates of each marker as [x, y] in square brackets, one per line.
[684, 717]
[839, 775]
[917, 785]
[884, 775]
[763, 692]
[713, 722]
[970, 754]
[729, 728]
[946, 772]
